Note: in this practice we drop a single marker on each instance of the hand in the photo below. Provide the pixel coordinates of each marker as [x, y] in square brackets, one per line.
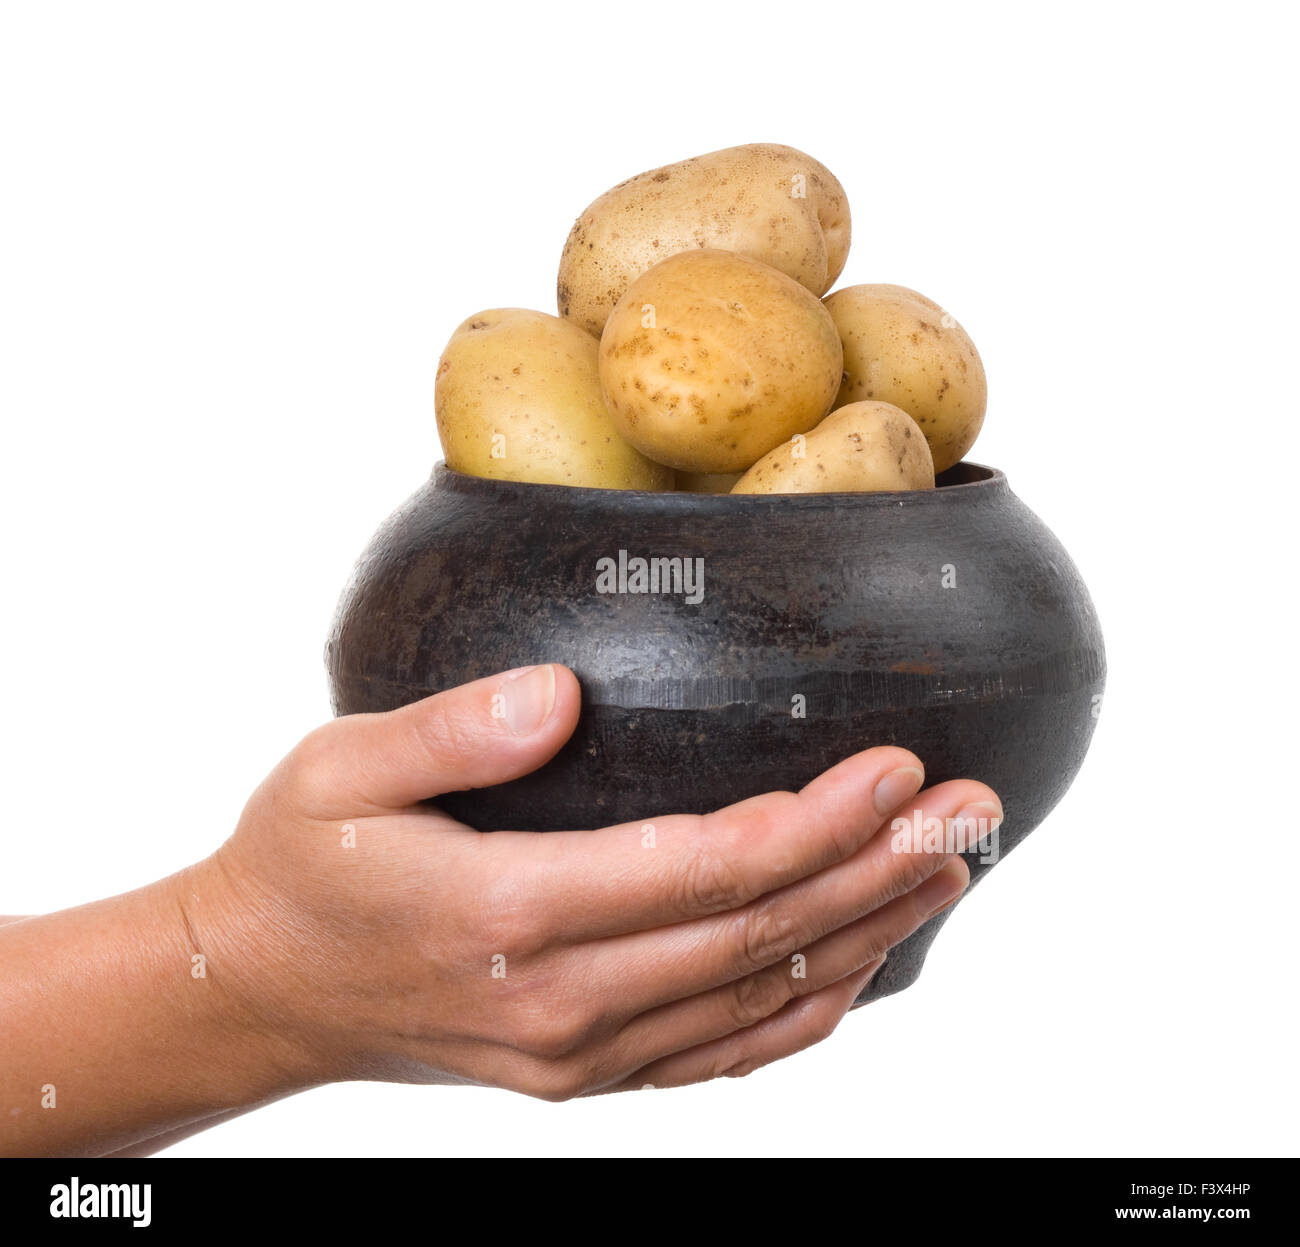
[381, 939]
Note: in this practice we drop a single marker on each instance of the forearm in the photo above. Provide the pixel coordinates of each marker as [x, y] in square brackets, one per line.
[115, 1029]
[157, 1143]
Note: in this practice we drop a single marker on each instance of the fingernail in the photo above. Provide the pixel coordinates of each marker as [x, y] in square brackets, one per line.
[973, 822]
[940, 890]
[896, 787]
[529, 699]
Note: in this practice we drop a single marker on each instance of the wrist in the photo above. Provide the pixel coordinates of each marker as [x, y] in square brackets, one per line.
[122, 1023]
[238, 949]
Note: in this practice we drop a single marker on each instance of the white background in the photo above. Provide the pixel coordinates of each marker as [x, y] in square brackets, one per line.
[233, 240]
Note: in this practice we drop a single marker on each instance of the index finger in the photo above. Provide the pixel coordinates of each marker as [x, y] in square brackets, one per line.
[638, 876]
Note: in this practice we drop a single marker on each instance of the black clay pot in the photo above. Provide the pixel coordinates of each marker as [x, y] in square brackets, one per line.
[948, 621]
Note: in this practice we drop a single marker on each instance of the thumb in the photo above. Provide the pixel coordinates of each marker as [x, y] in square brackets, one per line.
[483, 733]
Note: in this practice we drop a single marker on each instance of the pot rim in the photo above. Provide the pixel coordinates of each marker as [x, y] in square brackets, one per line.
[988, 481]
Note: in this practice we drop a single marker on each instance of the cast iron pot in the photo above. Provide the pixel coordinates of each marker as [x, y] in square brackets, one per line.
[948, 621]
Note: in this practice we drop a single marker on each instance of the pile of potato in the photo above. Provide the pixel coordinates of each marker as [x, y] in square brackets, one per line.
[694, 350]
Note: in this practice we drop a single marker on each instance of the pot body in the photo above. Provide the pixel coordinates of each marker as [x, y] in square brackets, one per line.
[950, 622]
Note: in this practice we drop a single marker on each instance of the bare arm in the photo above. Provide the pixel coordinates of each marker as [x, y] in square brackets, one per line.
[109, 1038]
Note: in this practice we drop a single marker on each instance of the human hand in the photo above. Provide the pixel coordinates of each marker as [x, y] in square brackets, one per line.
[381, 939]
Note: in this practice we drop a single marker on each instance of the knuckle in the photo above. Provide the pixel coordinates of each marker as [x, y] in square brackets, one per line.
[311, 766]
[501, 935]
[772, 812]
[710, 883]
[767, 934]
[742, 1068]
[818, 1021]
[542, 1020]
[822, 1023]
[757, 996]
[522, 1025]
[445, 736]
[879, 941]
[559, 1082]
[909, 872]
[759, 820]
[508, 923]
[553, 1038]
[840, 827]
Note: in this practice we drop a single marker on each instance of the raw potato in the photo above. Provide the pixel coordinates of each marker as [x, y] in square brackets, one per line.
[518, 399]
[769, 202]
[706, 482]
[902, 348]
[860, 448]
[711, 359]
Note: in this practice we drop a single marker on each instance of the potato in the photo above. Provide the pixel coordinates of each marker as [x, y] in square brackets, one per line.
[711, 359]
[859, 448]
[518, 398]
[771, 203]
[706, 482]
[902, 348]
